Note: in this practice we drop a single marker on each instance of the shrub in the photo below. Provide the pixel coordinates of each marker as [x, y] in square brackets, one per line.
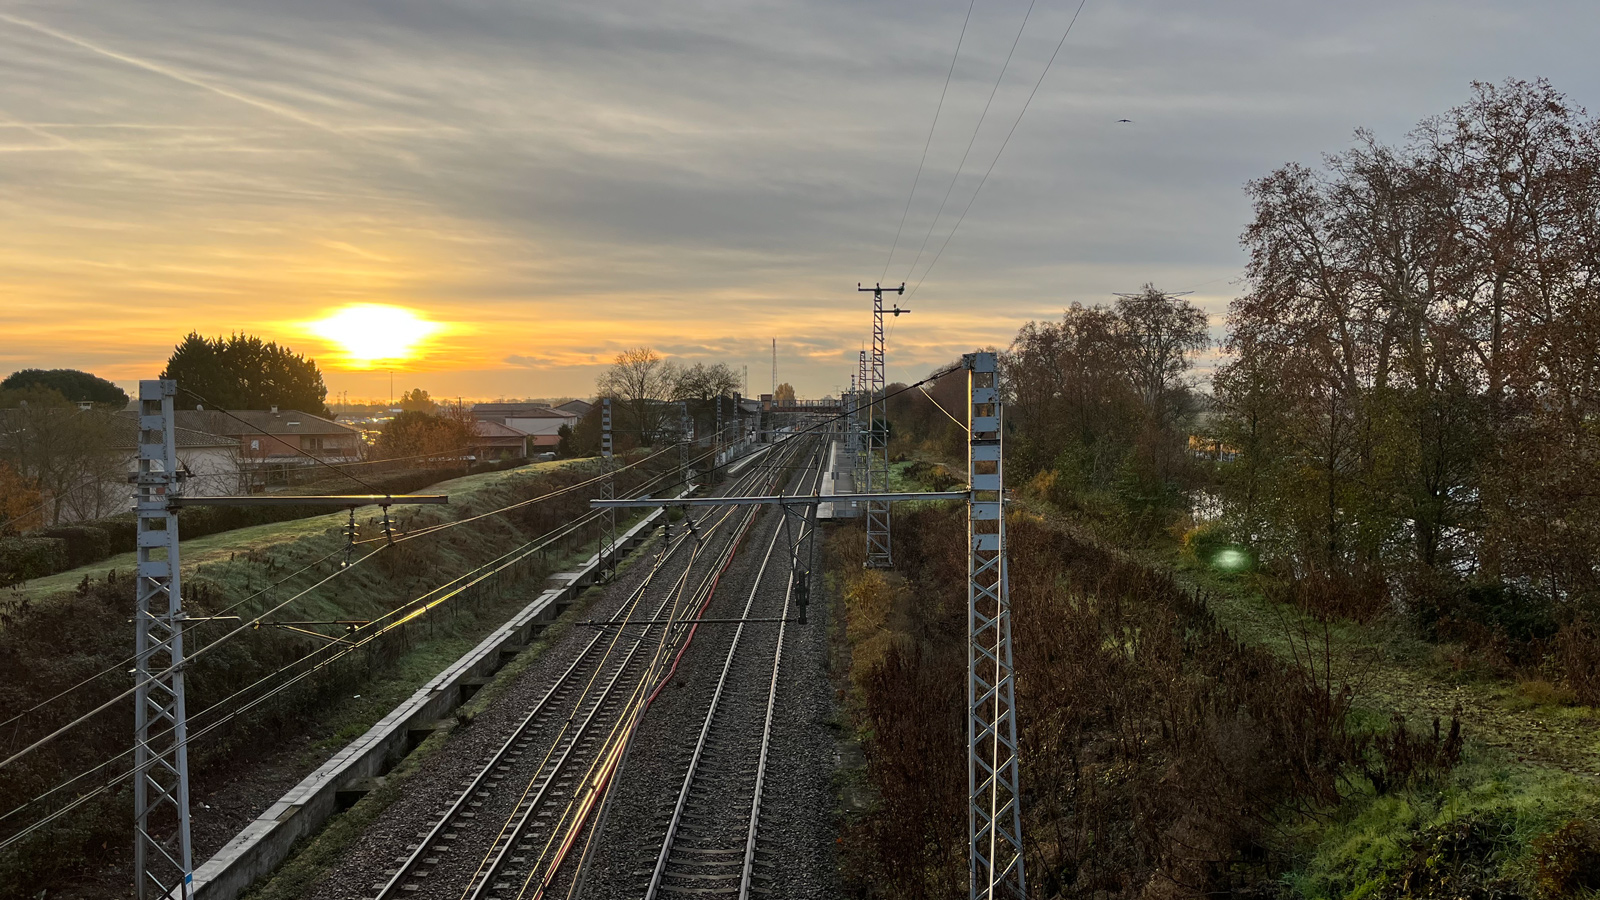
[1459, 860]
[1576, 649]
[85, 543]
[24, 558]
[1567, 860]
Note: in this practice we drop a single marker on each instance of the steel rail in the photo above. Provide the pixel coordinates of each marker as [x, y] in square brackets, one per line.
[514, 831]
[766, 744]
[430, 841]
[569, 740]
[563, 683]
[693, 771]
[599, 778]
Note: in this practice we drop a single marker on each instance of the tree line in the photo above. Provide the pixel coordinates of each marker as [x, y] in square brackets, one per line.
[645, 389]
[1415, 370]
[1407, 406]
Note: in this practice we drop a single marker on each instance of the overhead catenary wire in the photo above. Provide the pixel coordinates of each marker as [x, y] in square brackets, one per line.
[296, 448]
[972, 140]
[498, 563]
[350, 645]
[344, 648]
[252, 623]
[929, 142]
[121, 667]
[188, 660]
[1002, 149]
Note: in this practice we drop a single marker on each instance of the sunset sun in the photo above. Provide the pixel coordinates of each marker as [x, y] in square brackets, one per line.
[371, 333]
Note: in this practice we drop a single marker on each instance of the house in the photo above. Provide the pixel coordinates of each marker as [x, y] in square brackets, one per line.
[209, 462]
[271, 442]
[497, 441]
[498, 412]
[286, 437]
[579, 408]
[82, 459]
[542, 424]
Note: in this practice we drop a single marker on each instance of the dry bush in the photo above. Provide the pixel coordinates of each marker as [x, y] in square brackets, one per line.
[1353, 595]
[1576, 650]
[1400, 757]
[1567, 860]
[1159, 753]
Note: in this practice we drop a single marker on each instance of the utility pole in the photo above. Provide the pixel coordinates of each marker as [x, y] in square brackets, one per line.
[608, 491]
[774, 370]
[994, 814]
[879, 553]
[162, 863]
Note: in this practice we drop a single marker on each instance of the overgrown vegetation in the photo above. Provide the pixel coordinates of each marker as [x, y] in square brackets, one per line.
[1165, 758]
[1389, 488]
[62, 629]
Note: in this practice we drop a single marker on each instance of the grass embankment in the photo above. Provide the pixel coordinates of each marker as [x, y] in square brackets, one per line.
[1516, 817]
[58, 631]
[1187, 735]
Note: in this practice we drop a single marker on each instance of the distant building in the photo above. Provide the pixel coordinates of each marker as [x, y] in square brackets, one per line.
[579, 408]
[209, 462]
[272, 442]
[497, 441]
[540, 423]
[499, 412]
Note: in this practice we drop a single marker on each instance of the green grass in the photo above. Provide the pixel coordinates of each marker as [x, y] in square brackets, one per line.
[1531, 761]
[312, 537]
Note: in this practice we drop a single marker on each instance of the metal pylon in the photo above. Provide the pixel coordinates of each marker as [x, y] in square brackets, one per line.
[162, 863]
[860, 447]
[994, 817]
[608, 491]
[683, 440]
[879, 544]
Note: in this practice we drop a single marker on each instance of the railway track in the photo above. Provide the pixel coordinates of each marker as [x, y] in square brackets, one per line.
[710, 848]
[512, 825]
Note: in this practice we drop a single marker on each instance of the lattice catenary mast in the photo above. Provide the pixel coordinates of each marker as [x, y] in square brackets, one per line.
[162, 861]
[994, 823]
[608, 491]
[879, 545]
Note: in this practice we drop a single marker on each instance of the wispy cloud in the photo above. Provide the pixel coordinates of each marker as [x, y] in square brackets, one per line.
[560, 180]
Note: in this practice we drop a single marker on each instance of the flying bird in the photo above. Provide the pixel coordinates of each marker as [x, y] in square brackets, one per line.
[1129, 121]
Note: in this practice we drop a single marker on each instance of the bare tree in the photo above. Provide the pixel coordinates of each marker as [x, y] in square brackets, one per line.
[642, 382]
[1161, 332]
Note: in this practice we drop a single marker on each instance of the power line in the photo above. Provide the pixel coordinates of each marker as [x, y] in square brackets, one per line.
[972, 140]
[499, 563]
[929, 142]
[296, 448]
[1002, 149]
[121, 667]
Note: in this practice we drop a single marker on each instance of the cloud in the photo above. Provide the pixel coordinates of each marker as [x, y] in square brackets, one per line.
[576, 178]
[529, 362]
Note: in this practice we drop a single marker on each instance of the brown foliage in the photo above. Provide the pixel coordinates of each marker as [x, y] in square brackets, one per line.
[1158, 751]
[1568, 860]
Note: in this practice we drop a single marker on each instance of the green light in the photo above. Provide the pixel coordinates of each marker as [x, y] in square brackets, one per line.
[1231, 559]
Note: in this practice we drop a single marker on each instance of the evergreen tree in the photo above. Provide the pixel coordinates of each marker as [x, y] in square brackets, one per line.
[72, 384]
[243, 372]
